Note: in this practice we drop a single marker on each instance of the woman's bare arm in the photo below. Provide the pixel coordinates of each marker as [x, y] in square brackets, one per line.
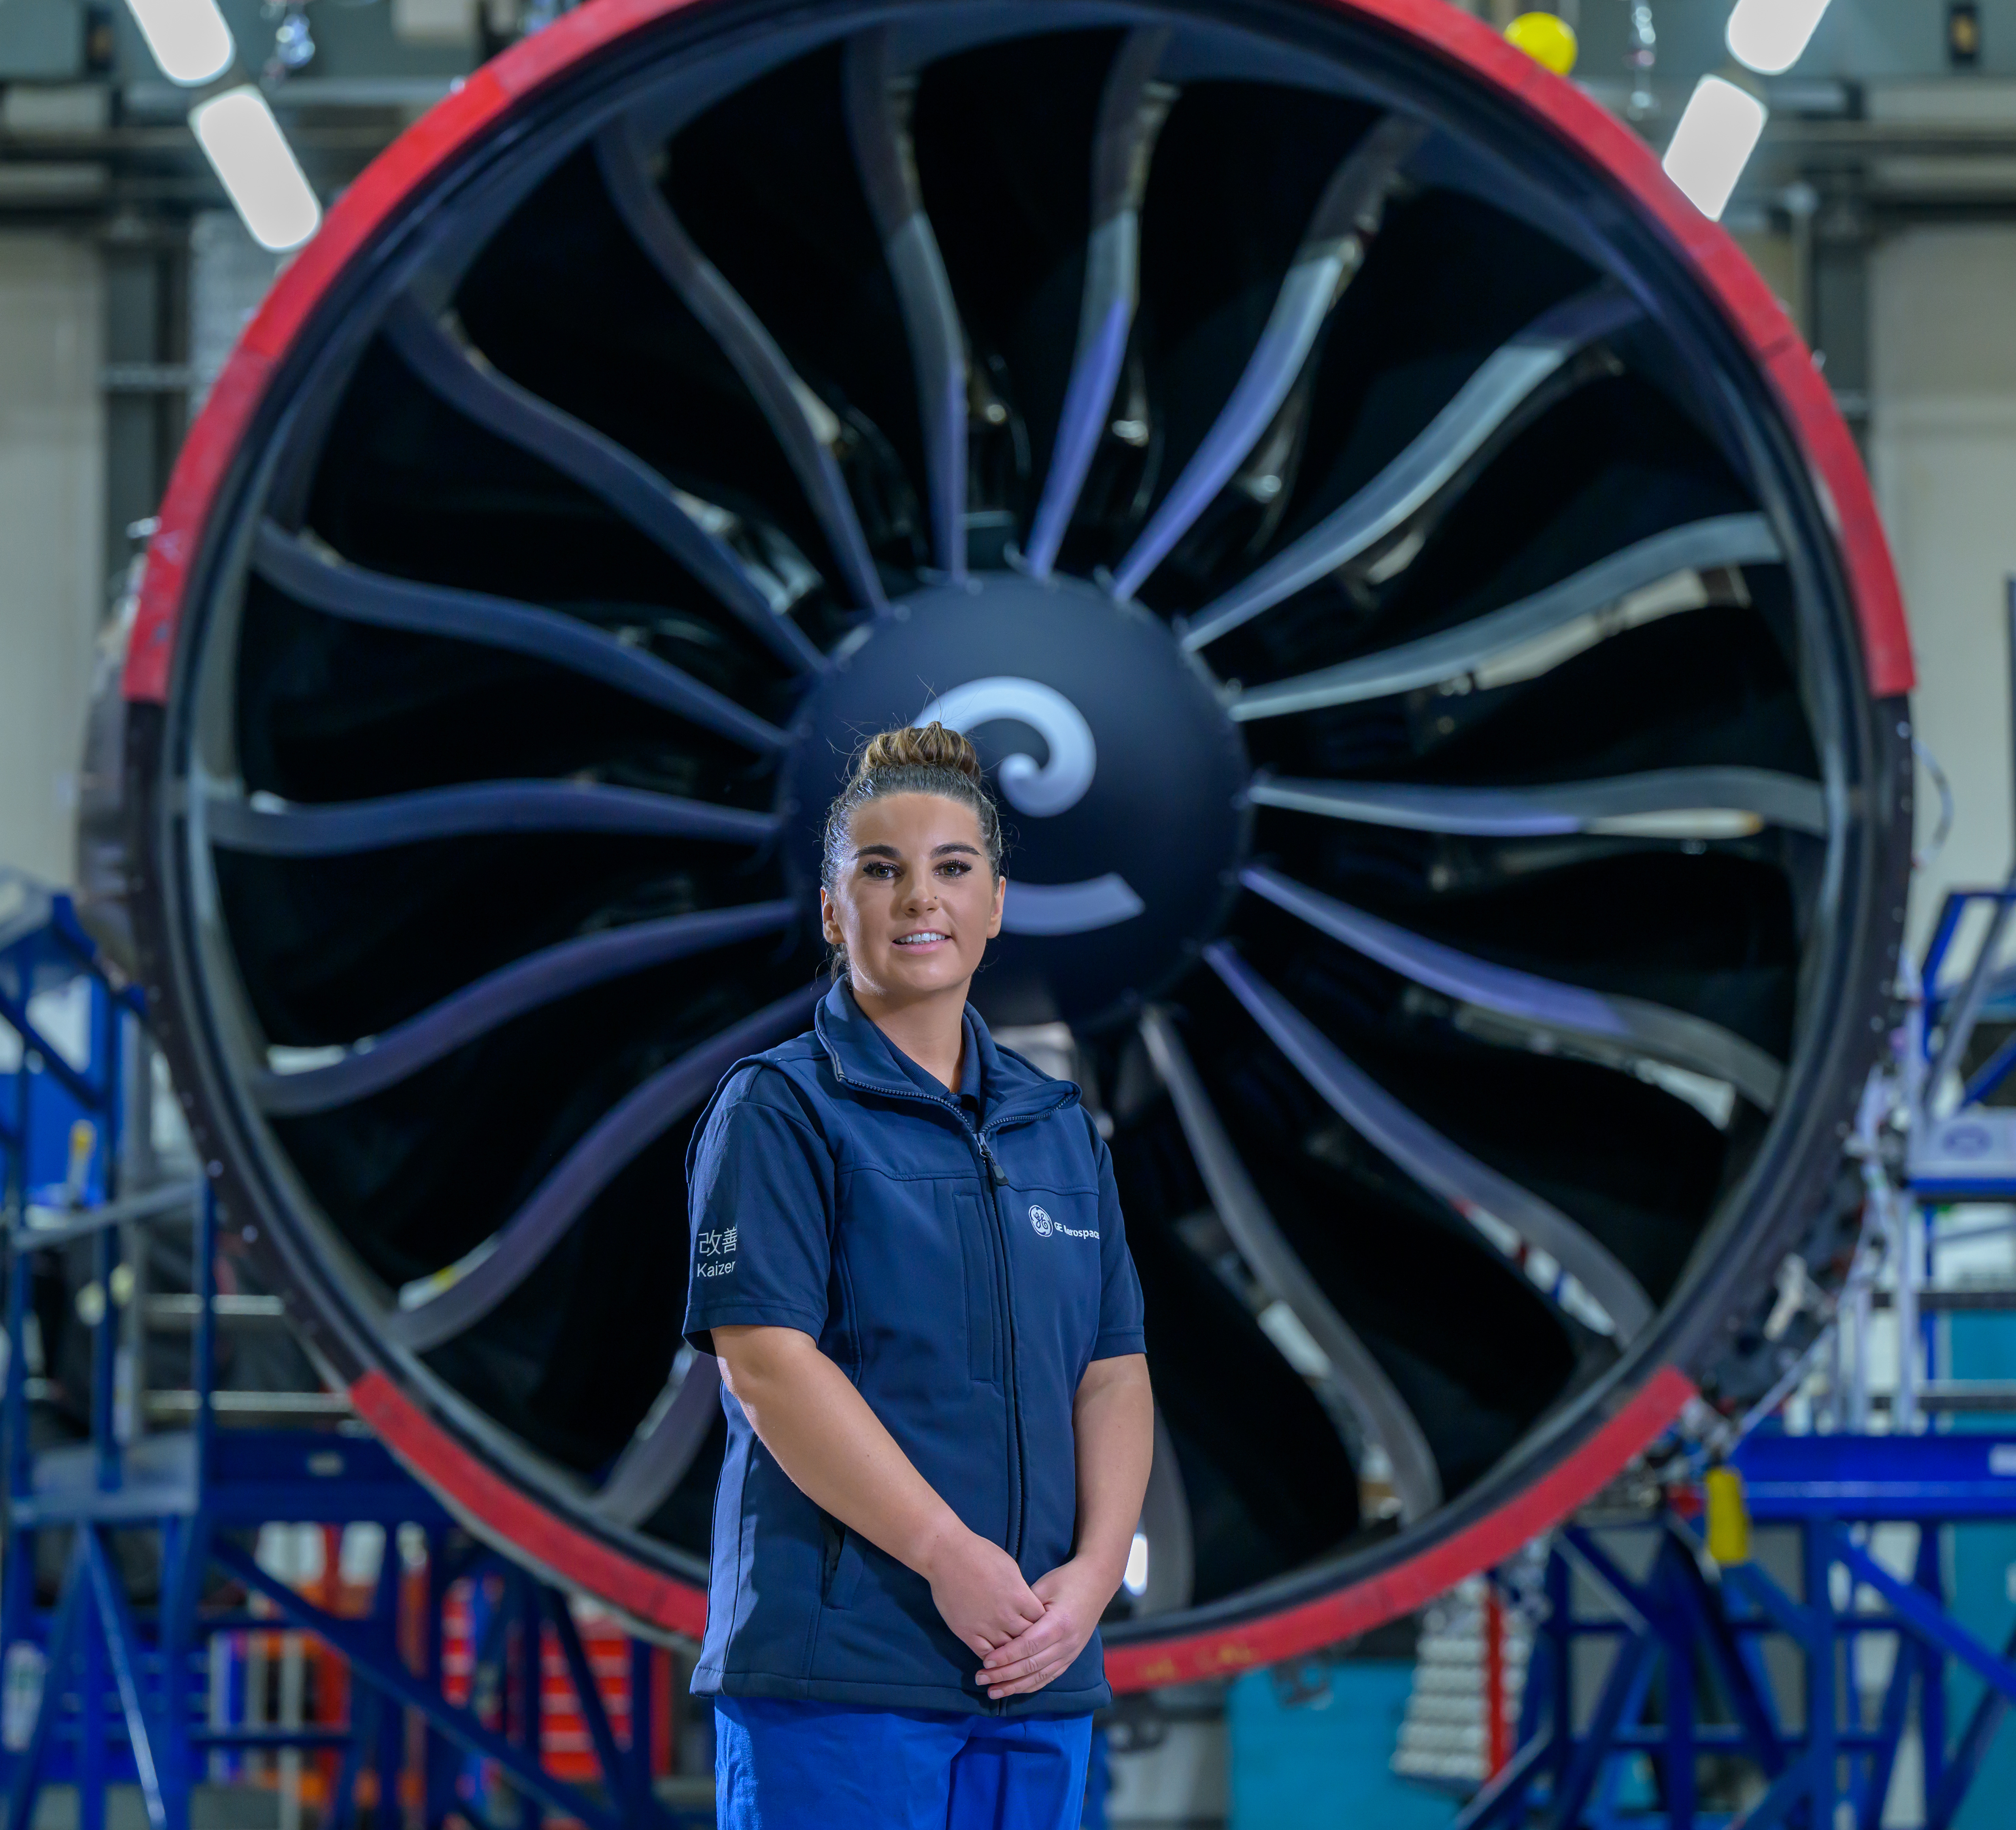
[1113, 1425]
[808, 1415]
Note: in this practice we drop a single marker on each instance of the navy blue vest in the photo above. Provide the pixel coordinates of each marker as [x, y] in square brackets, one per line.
[962, 1261]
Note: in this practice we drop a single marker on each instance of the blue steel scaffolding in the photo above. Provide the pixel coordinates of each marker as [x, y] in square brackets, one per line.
[1653, 1678]
[1688, 1680]
[105, 1688]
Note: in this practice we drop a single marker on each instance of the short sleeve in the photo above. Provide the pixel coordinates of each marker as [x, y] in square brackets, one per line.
[1120, 1316]
[760, 1196]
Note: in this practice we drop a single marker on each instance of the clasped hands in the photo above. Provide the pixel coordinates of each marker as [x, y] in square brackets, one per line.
[1025, 1633]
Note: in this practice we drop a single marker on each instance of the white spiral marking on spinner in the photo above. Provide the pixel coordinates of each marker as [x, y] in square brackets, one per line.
[1040, 790]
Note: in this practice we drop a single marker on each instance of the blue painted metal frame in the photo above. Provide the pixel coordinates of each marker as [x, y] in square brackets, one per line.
[200, 1492]
[2000, 1005]
[1940, 1478]
[1945, 931]
[1687, 1630]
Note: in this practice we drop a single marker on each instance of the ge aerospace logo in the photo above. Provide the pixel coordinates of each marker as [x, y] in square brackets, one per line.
[1045, 1226]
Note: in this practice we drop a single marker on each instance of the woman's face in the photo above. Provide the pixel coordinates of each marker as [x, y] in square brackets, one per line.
[914, 901]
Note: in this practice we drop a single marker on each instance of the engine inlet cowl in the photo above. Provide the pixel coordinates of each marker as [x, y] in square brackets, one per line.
[1422, 615]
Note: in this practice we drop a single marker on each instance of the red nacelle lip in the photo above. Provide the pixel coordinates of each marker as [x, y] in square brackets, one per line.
[492, 1503]
[1438, 1569]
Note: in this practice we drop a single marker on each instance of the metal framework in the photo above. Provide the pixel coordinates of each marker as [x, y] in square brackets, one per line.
[115, 1682]
[1688, 1677]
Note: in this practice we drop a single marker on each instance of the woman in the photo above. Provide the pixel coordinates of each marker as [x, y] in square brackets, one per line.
[907, 1257]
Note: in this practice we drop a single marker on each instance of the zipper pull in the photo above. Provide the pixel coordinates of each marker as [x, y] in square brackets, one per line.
[994, 1170]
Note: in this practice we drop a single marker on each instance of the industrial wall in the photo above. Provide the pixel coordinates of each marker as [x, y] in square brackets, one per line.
[1943, 447]
[51, 483]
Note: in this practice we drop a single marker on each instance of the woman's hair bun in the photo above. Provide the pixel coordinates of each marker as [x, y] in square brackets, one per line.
[918, 760]
[929, 746]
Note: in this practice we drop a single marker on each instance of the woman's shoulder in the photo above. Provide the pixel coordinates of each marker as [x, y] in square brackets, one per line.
[783, 1079]
[766, 1078]
[757, 1104]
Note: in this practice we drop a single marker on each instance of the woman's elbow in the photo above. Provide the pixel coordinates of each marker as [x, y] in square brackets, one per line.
[1123, 1372]
[758, 1363]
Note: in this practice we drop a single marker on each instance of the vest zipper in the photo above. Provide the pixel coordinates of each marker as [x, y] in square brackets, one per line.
[999, 1176]
[993, 1178]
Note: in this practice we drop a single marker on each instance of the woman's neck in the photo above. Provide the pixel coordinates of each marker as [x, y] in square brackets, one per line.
[930, 1030]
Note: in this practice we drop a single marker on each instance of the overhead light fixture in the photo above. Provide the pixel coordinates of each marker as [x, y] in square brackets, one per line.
[246, 148]
[1713, 142]
[189, 38]
[1770, 36]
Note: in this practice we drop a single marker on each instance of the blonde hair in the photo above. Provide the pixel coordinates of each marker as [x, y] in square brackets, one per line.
[916, 759]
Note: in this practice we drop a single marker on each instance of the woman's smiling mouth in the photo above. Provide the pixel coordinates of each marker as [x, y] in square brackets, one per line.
[925, 937]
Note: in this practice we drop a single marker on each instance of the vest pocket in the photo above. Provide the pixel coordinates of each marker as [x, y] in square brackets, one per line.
[840, 1562]
[976, 1246]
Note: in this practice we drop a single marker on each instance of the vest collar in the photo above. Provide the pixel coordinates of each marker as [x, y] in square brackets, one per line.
[1010, 1087]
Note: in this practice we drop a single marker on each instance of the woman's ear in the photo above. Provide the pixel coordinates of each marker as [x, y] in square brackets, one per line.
[830, 920]
[1000, 897]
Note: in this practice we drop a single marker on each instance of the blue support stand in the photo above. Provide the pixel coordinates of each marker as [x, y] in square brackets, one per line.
[123, 1691]
[1687, 1678]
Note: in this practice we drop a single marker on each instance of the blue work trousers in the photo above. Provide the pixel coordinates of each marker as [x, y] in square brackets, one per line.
[798, 1766]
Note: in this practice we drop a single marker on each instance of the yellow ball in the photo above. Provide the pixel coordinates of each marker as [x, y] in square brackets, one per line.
[1545, 37]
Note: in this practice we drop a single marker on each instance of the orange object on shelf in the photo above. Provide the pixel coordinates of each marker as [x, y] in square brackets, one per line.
[566, 1749]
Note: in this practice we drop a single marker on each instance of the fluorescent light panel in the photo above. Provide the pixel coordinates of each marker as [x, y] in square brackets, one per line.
[1713, 142]
[246, 148]
[189, 38]
[1770, 36]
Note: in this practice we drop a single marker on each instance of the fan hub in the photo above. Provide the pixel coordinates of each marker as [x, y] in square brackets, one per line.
[1121, 780]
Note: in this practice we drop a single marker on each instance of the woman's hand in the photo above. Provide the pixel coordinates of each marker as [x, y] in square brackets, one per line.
[837, 1452]
[1113, 1420]
[1074, 1595]
[979, 1591]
